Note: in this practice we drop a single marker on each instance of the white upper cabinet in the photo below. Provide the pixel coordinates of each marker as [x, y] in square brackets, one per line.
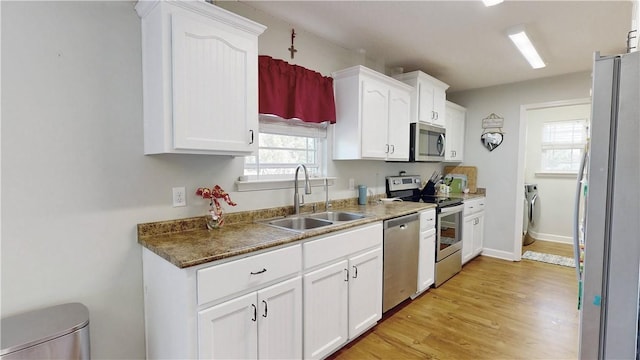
[372, 113]
[200, 79]
[427, 99]
[455, 126]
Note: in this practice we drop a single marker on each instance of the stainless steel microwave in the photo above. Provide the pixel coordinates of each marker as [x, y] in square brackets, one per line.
[426, 143]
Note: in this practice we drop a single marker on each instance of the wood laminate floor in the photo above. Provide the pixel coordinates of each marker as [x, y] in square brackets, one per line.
[493, 309]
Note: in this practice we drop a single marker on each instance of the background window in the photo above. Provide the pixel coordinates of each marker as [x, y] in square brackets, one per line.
[562, 145]
[282, 145]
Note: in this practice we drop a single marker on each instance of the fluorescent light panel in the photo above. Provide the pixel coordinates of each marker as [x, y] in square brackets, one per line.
[488, 3]
[522, 42]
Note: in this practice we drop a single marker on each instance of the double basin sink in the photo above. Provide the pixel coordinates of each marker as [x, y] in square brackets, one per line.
[314, 221]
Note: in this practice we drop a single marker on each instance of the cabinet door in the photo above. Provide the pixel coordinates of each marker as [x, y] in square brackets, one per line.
[365, 291]
[374, 119]
[478, 234]
[280, 320]
[229, 330]
[455, 126]
[467, 238]
[426, 265]
[214, 86]
[325, 310]
[439, 109]
[425, 102]
[399, 117]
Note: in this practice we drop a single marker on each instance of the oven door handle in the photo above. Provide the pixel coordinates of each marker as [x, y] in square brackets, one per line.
[452, 209]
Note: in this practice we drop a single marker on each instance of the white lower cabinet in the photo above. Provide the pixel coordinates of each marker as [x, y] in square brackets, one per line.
[266, 324]
[472, 229]
[342, 296]
[256, 307]
[326, 301]
[365, 291]
[427, 250]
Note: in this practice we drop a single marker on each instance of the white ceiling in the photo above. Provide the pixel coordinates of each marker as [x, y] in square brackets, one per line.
[463, 43]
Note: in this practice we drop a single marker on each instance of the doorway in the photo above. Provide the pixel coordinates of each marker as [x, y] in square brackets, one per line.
[548, 142]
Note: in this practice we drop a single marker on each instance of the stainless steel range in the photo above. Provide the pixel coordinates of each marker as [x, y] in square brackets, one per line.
[448, 222]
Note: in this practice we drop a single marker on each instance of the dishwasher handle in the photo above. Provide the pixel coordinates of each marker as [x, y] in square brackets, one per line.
[402, 220]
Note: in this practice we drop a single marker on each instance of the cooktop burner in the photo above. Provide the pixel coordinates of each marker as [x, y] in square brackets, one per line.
[407, 188]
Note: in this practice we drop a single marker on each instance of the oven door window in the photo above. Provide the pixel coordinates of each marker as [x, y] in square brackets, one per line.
[450, 235]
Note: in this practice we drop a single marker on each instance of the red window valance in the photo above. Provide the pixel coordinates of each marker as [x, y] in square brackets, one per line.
[291, 91]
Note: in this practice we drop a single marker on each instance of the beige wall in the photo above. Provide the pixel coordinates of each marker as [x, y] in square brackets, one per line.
[75, 181]
[501, 171]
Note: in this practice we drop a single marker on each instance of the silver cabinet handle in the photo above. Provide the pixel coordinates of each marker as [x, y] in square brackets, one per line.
[346, 272]
[255, 313]
[251, 141]
[355, 269]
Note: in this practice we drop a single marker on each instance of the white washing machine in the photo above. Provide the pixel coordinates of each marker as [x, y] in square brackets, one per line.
[530, 213]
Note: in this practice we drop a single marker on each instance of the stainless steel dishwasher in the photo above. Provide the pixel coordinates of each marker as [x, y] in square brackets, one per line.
[401, 247]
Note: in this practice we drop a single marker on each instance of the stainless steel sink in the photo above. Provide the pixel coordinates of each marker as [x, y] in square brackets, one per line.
[299, 223]
[337, 216]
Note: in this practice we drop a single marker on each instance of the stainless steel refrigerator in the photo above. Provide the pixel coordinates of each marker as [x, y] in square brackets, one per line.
[609, 267]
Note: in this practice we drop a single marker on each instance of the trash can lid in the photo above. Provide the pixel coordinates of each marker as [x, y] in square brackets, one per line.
[35, 327]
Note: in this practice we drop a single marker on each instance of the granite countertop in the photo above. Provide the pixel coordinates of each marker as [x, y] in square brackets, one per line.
[187, 242]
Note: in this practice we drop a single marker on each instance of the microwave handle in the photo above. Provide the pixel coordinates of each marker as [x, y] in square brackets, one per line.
[441, 142]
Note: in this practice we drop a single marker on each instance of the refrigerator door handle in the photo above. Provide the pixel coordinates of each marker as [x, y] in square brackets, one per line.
[576, 213]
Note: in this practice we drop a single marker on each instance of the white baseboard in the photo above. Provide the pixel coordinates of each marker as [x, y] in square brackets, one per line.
[499, 254]
[551, 237]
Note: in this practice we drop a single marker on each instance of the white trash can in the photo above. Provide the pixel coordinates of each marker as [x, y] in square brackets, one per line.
[57, 332]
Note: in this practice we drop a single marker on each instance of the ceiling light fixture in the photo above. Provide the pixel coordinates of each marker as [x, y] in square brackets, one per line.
[488, 3]
[522, 42]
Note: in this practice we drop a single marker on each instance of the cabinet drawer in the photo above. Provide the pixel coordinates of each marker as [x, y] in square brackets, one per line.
[337, 246]
[427, 233]
[219, 281]
[474, 206]
[427, 219]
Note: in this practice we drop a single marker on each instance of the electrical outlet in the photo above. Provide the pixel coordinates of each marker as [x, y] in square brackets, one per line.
[179, 196]
[352, 184]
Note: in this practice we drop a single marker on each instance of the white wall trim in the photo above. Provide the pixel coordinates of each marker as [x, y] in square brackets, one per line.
[499, 254]
[273, 184]
[551, 237]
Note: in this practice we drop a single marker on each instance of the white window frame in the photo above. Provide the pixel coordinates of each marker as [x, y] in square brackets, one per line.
[552, 145]
[274, 125]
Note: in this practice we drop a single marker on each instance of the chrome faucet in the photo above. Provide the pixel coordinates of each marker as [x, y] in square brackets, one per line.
[307, 188]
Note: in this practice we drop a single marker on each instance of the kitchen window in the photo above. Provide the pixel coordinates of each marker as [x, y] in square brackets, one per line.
[282, 145]
[562, 145]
